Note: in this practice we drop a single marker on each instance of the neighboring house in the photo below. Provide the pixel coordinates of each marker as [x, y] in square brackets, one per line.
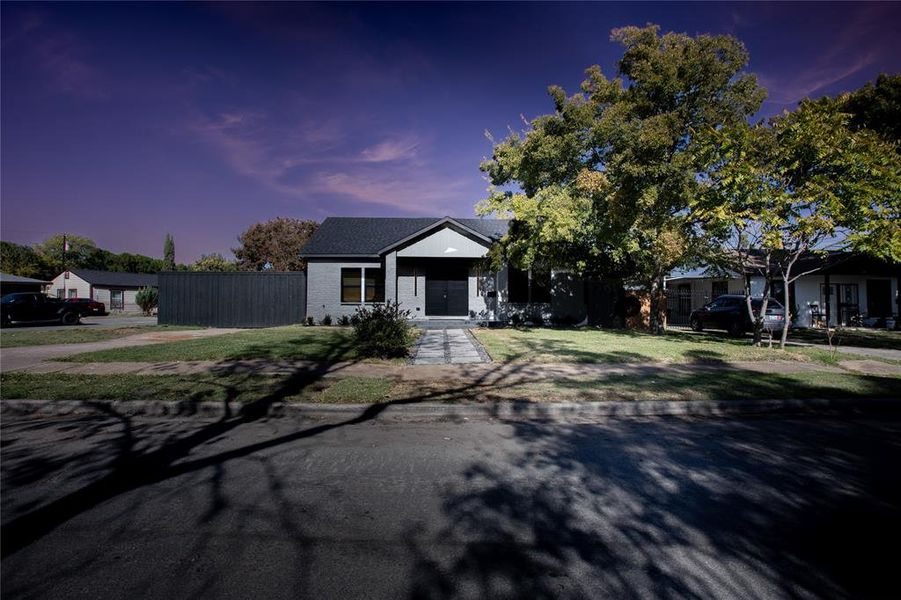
[115, 289]
[843, 289]
[11, 284]
[433, 267]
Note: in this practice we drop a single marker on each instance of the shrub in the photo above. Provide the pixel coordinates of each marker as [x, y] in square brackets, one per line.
[383, 331]
[343, 321]
[148, 298]
[310, 321]
[326, 320]
[355, 319]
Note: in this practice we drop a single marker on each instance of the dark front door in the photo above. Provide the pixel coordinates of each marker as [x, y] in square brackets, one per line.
[447, 290]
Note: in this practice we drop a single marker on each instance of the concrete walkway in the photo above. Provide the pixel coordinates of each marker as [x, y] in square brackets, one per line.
[446, 346]
[30, 357]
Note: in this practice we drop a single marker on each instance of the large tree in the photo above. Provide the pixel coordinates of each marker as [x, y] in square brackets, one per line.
[606, 181]
[807, 181]
[24, 261]
[274, 244]
[82, 252]
[877, 106]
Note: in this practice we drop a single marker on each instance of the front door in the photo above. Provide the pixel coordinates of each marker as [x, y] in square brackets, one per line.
[447, 290]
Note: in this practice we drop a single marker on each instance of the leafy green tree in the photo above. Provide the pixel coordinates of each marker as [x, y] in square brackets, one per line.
[804, 182]
[82, 253]
[17, 259]
[169, 253]
[148, 298]
[878, 107]
[213, 262]
[605, 183]
[274, 244]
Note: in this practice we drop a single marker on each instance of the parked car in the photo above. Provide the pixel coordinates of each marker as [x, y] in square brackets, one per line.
[730, 312]
[36, 308]
[88, 306]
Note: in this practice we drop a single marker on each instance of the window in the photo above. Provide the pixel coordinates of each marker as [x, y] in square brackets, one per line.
[718, 288]
[60, 292]
[351, 280]
[375, 285]
[117, 300]
[73, 294]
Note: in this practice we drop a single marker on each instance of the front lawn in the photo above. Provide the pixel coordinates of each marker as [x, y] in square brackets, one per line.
[863, 338]
[12, 338]
[294, 342]
[666, 385]
[195, 388]
[626, 346]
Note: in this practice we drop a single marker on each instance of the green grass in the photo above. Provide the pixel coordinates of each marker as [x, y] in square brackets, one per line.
[668, 385]
[12, 338]
[295, 342]
[671, 385]
[172, 388]
[864, 338]
[626, 346]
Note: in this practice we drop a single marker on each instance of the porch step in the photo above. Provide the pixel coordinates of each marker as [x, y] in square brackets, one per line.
[445, 324]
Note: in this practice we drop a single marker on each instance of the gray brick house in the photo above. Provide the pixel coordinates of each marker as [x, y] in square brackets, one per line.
[432, 266]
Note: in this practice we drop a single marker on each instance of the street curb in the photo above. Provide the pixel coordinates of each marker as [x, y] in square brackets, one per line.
[512, 410]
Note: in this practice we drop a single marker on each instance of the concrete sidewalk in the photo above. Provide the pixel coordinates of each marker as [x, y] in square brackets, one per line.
[25, 358]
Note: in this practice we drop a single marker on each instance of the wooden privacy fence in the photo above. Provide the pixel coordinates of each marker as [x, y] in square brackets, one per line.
[241, 299]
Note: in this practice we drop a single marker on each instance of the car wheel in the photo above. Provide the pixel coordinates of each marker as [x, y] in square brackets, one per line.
[69, 318]
[7, 321]
[696, 324]
[736, 329]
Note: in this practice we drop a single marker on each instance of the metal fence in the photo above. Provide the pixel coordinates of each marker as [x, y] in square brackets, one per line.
[681, 302]
[243, 299]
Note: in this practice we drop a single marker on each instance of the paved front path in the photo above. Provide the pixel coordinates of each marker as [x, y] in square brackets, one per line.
[109, 507]
[32, 357]
[442, 346]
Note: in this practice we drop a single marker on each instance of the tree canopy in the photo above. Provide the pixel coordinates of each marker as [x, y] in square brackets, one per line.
[213, 262]
[604, 183]
[274, 244]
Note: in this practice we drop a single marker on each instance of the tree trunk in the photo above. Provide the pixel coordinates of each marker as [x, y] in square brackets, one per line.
[657, 327]
[787, 319]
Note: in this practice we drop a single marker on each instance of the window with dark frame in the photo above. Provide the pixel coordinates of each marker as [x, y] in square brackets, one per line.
[375, 285]
[517, 285]
[351, 284]
[541, 286]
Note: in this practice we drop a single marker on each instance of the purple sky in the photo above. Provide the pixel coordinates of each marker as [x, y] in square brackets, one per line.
[121, 122]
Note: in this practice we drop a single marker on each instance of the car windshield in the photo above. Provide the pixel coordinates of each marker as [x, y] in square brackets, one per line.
[9, 298]
[770, 305]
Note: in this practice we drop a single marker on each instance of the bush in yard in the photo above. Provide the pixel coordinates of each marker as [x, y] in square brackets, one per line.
[326, 320]
[310, 322]
[148, 298]
[383, 331]
[343, 321]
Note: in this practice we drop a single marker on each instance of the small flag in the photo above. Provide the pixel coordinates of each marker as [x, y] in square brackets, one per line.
[66, 245]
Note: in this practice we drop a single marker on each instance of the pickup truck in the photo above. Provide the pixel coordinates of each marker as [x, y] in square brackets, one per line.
[36, 308]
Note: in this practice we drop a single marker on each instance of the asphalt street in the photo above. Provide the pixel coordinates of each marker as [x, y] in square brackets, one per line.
[105, 322]
[116, 507]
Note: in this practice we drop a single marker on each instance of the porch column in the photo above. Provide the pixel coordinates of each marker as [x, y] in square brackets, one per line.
[827, 293]
[391, 276]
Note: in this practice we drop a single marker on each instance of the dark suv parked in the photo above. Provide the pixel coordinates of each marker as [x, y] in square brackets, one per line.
[730, 312]
[32, 308]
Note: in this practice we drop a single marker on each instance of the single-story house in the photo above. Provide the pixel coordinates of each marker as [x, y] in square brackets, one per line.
[116, 289]
[434, 268]
[12, 284]
[844, 289]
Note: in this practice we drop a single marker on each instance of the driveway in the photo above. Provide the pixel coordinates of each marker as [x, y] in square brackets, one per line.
[107, 322]
[111, 507]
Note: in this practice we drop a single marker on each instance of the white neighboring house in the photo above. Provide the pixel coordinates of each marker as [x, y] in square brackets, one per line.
[116, 289]
[845, 288]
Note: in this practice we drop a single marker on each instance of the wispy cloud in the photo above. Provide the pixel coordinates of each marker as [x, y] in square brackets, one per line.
[316, 159]
[60, 55]
[391, 149]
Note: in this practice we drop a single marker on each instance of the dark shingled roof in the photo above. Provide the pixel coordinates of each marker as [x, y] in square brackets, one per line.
[117, 278]
[366, 236]
[7, 278]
